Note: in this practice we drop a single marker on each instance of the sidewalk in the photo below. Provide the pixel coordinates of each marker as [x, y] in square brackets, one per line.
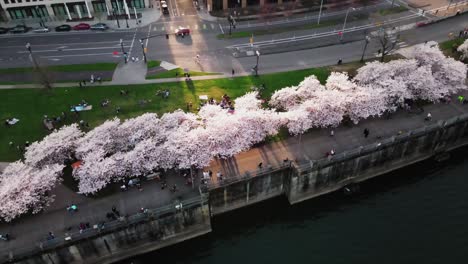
[148, 16]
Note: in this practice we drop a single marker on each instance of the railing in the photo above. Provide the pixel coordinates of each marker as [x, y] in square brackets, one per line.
[96, 230]
[248, 175]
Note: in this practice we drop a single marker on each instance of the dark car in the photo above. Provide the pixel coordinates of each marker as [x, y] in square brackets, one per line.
[99, 26]
[19, 29]
[82, 26]
[63, 28]
[3, 30]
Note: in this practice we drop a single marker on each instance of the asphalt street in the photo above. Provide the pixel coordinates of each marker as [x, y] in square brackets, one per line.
[217, 55]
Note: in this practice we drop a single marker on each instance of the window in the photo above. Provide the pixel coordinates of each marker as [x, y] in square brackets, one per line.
[13, 1]
[20, 1]
[6, 1]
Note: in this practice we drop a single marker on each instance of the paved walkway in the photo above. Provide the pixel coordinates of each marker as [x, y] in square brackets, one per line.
[130, 72]
[316, 143]
[28, 230]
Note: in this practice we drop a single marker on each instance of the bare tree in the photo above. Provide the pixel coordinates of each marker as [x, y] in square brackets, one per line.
[387, 40]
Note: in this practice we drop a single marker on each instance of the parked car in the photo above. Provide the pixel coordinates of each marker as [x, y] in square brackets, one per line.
[99, 26]
[82, 26]
[181, 31]
[19, 29]
[63, 28]
[3, 30]
[41, 30]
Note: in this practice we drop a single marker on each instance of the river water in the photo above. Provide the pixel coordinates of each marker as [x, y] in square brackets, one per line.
[415, 215]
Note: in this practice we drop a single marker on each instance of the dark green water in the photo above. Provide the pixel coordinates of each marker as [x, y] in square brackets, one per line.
[415, 215]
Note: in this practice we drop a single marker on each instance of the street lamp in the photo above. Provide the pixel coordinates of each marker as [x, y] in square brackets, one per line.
[320, 12]
[344, 24]
[143, 49]
[232, 23]
[126, 20]
[257, 53]
[123, 50]
[367, 39]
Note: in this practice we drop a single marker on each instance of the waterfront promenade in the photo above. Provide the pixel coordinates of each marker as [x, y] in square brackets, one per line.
[27, 231]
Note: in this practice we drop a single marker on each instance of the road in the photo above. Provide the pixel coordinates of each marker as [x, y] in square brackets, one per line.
[216, 55]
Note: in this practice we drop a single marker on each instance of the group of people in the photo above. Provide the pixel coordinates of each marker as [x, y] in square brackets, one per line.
[163, 93]
[92, 80]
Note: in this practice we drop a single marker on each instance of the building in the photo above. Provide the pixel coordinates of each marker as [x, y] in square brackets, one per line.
[69, 10]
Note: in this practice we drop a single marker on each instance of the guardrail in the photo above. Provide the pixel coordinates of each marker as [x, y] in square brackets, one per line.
[248, 175]
[320, 35]
[97, 229]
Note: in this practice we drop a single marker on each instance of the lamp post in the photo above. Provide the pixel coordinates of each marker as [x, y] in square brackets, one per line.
[232, 23]
[123, 50]
[257, 53]
[367, 39]
[126, 20]
[143, 49]
[344, 24]
[116, 18]
[320, 12]
[43, 76]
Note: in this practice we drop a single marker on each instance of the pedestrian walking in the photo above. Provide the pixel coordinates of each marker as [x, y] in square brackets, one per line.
[80, 84]
[260, 165]
[233, 72]
[366, 132]
[332, 133]
[428, 117]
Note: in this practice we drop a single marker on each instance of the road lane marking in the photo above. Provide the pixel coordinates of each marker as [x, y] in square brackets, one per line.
[147, 36]
[77, 55]
[212, 26]
[64, 44]
[220, 27]
[196, 26]
[204, 26]
[65, 50]
[131, 46]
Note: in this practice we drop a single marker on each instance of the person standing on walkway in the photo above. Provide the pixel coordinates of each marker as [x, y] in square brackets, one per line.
[332, 133]
[428, 117]
[233, 72]
[366, 132]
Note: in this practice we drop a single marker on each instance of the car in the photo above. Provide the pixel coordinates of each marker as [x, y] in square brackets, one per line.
[3, 30]
[82, 26]
[99, 26]
[41, 30]
[165, 9]
[19, 29]
[181, 31]
[63, 28]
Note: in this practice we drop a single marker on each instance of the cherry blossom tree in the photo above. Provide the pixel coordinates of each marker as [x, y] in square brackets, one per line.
[463, 49]
[24, 188]
[54, 148]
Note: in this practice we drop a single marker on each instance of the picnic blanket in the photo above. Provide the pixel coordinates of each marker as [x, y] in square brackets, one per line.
[12, 121]
[79, 108]
[203, 97]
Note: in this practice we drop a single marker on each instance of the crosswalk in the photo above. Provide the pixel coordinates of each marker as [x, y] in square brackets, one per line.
[197, 27]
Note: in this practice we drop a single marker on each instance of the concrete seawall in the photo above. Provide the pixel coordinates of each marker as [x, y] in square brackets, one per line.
[298, 182]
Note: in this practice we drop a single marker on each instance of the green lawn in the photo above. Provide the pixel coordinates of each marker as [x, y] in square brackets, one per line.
[448, 46]
[67, 68]
[246, 34]
[178, 72]
[152, 64]
[30, 105]
[393, 10]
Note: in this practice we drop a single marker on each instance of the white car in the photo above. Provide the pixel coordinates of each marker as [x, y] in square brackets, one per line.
[41, 30]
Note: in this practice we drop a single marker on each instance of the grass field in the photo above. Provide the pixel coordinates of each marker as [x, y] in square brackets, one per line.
[30, 105]
[178, 72]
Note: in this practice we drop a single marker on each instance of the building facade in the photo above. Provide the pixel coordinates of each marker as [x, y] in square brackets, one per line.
[68, 9]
